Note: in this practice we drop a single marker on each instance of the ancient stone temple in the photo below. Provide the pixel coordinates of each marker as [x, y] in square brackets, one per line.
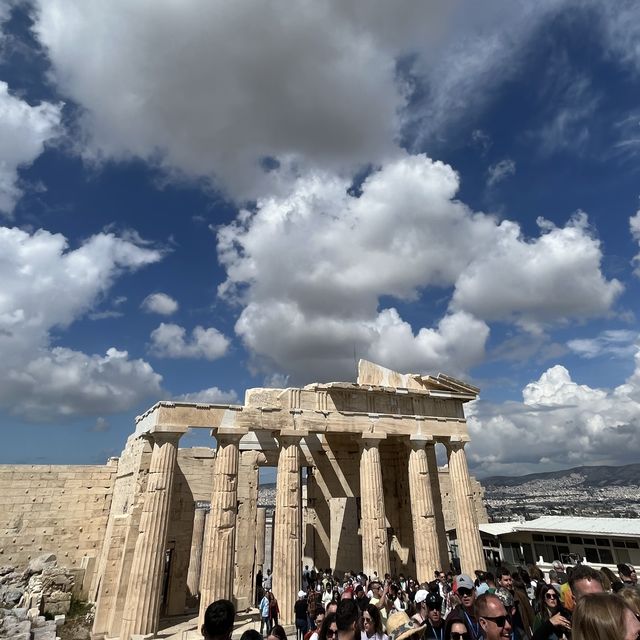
[357, 488]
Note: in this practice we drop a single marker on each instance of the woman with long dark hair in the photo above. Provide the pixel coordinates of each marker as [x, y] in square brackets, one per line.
[552, 621]
[372, 624]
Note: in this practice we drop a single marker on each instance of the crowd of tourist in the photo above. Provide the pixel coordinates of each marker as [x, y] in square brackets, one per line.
[572, 603]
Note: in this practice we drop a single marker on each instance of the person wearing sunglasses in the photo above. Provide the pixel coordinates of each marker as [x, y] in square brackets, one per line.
[465, 611]
[553, 621]
[329, 628]
[429, 614]
[372, 624]
[493, 619]
[456, 630]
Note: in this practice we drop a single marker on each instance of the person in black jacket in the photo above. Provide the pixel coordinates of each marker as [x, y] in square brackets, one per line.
[553, 621]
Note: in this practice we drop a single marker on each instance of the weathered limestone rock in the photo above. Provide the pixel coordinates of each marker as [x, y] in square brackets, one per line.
[56, 603]
[216, 580]
[142, 603]
[287, 573]
[424, 524]
[37, 565]
[373, 522]
[195, 558]
[469, 541]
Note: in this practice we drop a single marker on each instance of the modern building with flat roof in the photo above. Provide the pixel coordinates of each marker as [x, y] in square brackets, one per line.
[594, 541]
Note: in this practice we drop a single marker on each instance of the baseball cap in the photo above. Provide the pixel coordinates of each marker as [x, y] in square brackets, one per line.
[421, 596]
[464, 581]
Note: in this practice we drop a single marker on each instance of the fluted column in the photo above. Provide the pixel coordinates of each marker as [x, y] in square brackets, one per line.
[287, 573]
[424, 525]
[432, 464]
[142, 604]
[261, 524]
[469, 541]
[373, 521]
[195, 559]
[216, 580]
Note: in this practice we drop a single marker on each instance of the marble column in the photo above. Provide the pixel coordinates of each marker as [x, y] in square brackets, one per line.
[261, 524]
[142, 604]
[195, 559]
[373, 521]
[467, 532]
[432, 464]
[425, 535]
[287, 573]
[216, 580]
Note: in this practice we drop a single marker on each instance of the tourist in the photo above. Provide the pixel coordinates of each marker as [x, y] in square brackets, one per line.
[250, 634]
[523, 616]
[631, 595]
[610, 581]
[558, 567]
[604, 616]
[347, 620]
[583, 581]
[494, 622]
[466, 591]
[400, 626]
[274, 610]
[265, 612]
[277, 633]
[429, 614]
[482, 586]
[552, 621]
[372, 624]
[455, 629]
[400, 602]
[329, 628]
[218, 620]
[627, 575]
[361, 598]
[267, 582]
[300, 609]
[379, 599]
[317, 621]
[327, 594]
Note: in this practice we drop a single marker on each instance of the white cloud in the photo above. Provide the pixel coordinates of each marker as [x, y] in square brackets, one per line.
[499, 171]
[24, 130]
[614, 342]
[405, 232]
[160, 303]
[634, 224]
[212, 395]
[170, 341]
[558, 424]
[46, 286]
[183, 89]
[534, 282]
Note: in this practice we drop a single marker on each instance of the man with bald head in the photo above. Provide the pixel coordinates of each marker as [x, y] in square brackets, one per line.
[494, 621]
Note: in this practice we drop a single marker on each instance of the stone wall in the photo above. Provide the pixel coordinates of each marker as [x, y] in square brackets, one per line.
[62, 509]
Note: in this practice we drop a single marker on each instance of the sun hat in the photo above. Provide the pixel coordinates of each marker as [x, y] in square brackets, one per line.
[401, 626]
[505, 596]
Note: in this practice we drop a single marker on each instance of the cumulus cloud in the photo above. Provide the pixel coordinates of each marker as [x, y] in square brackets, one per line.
[160, 303]
[24, 131]
[327, 93]
[499, 171]
[559, 423]
[46, 287]
[171, 341]
[533, 282]
[403, 233]
[212, 395]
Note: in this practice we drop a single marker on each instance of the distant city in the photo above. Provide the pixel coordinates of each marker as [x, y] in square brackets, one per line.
[597, 491]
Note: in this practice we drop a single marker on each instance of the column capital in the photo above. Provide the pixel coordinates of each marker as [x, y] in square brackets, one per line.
[456, 443]
[420, 440]
[163, 435]
[229, 435]
[373, 439]
[290, 436]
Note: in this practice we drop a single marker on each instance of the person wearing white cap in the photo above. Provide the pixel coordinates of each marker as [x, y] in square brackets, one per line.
[300, 609]
[429, 615]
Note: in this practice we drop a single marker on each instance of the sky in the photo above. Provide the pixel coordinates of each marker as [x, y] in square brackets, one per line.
[201, 197]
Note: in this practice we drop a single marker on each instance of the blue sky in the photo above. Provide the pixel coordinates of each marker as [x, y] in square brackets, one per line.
[203, 198]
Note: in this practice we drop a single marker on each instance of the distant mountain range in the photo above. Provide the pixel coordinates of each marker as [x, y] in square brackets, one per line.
[597, 476]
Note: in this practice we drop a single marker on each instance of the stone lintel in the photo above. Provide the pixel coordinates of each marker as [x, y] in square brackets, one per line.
[167, 429]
